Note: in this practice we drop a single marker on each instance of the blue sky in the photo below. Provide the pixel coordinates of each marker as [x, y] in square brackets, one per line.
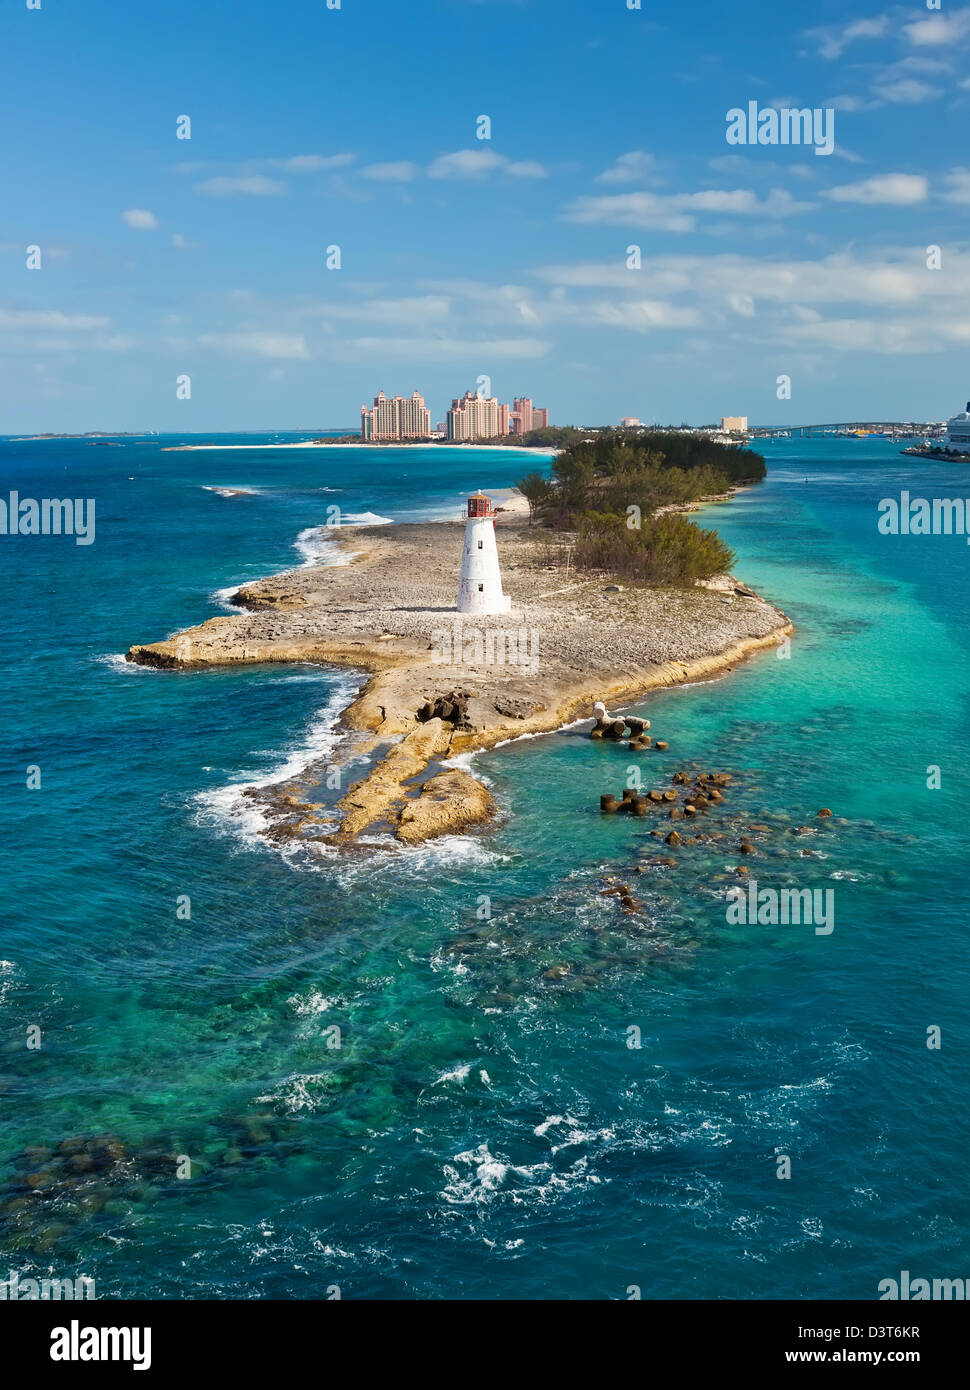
[464, 258]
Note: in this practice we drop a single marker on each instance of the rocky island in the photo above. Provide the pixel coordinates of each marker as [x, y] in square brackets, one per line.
[439, 684]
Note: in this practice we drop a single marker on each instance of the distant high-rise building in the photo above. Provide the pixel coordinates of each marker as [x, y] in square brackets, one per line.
[522, 412]
[628, 421]
[504, 419]
[473, 417]
[525, 416]
[395, 417]
[734, 424]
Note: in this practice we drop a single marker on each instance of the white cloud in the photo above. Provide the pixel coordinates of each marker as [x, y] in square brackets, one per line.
[936, 30]
[629, 168]
[50, 318]
[675, 212]
[959, 186]
[310, 163]
[836, 279]
[43, 332]
[847, 103]
[224, 185]
[832, 41]
[476, 164]
[447, 348]
[631, 210]
[742, 304]
[291, 164]
[403, 171]
[907, 91]
[644, 314]
[140, 219]
[53, 345]
[258, 344]
[527, 169]
[465, 164]
[414, 310]
[901, 83]
[898, 190]
[845, 303]
[858, 335]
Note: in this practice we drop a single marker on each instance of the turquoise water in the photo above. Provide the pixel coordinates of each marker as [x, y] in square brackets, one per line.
[481, 1131]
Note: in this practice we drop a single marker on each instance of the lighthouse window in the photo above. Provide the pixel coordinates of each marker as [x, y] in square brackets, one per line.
[481, 588]
[479, 545]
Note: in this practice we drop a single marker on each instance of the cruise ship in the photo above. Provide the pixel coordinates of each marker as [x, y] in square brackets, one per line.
[957, 437]
[953, 438]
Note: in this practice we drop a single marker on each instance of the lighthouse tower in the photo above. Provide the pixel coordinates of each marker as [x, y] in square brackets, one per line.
[480, 586]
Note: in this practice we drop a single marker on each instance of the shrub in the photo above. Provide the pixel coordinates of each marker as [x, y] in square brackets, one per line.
[597, 480]
[666, 551]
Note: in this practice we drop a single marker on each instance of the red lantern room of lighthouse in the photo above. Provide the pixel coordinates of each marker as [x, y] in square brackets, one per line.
[479, 505]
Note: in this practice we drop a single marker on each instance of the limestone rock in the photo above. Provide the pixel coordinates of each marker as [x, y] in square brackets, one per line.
[448, 803]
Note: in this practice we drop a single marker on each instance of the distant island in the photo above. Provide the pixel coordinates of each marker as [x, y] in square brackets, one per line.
[87, 434]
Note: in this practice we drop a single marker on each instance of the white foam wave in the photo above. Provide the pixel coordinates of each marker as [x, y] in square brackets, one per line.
[574, 1133]
[483, 1178]
[310, 1009]
[464, 762]
[8, 974]
[447, 850]
[310, 1004]
[226, 491]
[221, 598]
[301, 1091]
[458, 1074]
[118, 662]
[230, 811]
[548, 1123]
[314, 544]
[366, 519]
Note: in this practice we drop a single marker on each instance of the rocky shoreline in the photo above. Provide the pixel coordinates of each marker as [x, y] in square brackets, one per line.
[439, 687]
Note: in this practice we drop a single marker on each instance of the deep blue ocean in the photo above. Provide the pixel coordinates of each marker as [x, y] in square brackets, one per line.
[481, 1131]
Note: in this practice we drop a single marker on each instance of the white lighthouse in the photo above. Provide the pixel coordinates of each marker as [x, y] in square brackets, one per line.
[480, 586]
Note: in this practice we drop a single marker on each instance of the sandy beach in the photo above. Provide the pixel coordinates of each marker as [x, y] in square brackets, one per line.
[569, 640]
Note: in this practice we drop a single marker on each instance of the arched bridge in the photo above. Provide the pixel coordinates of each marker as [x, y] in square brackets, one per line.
[894, 428]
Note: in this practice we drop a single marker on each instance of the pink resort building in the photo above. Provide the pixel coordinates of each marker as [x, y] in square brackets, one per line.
[396, 417]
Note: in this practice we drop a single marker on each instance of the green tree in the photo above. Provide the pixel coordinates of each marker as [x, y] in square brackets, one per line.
[537, 491]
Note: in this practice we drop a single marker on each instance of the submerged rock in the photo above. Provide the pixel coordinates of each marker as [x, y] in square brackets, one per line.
[557, 972]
